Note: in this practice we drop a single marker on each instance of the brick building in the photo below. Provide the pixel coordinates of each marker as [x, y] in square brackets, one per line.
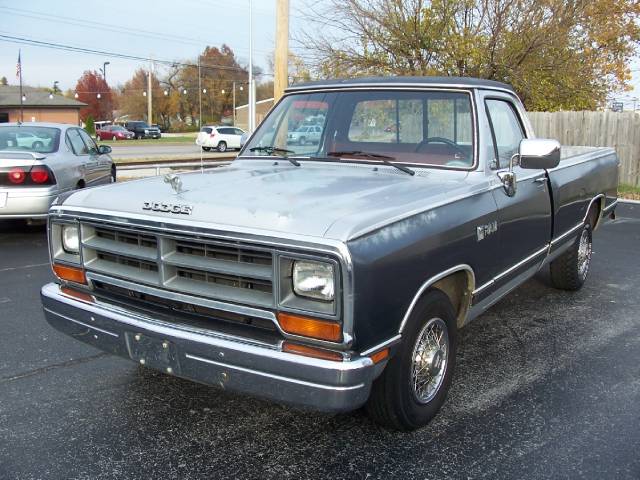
[37, 106]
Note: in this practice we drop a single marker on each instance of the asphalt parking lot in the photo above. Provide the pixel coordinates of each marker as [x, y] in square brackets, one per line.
[547, 386]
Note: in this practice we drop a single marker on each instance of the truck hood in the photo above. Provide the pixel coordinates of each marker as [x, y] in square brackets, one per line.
[319, 199]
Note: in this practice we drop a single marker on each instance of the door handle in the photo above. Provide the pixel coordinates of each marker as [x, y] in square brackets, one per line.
[541, 180]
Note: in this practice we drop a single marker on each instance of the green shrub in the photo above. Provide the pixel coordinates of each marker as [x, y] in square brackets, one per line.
[89, 126]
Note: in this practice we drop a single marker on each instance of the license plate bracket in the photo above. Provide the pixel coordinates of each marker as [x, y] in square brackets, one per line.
[153, 352]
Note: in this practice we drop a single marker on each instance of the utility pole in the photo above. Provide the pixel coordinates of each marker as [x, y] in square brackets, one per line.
[281, 65]
[199, 94]
[252, 90]
[149, 101]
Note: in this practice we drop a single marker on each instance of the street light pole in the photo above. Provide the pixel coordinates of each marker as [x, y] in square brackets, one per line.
[234, 103]
[252, 99]
[104, 70]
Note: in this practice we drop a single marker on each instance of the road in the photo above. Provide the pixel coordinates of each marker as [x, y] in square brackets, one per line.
[161, 151]
[547, 386]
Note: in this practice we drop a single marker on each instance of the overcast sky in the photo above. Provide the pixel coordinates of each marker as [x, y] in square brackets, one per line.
[168, 30]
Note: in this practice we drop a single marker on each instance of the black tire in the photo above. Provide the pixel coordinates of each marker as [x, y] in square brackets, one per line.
[222, 146]
[206, 149]
[114, 178]
[302, 141]
[570, 270]
[393, 402]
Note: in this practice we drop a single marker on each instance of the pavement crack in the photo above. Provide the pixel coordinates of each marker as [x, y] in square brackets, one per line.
[56, 366]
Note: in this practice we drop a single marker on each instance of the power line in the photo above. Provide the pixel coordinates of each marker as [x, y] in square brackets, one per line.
[124, 56]
[110, 27]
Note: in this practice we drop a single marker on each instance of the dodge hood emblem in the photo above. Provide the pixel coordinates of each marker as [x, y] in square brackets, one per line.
[167, 208]
[175, 181]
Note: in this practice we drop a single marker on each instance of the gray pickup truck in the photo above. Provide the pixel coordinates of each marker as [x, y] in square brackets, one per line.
[333, 275]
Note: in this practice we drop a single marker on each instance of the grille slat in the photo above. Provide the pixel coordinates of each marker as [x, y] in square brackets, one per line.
[228, 271]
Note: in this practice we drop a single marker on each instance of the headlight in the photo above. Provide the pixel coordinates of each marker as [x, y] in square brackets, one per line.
[146, 131]
[70, 239]
[313, 280]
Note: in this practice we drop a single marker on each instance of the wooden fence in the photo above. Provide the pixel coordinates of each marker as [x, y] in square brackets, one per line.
[600, 129]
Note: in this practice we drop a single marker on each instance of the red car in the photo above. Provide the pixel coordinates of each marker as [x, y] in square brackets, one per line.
[114, 132]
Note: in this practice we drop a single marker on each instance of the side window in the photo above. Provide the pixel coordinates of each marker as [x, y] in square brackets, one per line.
[77, 145]
[223, 131]
[88, 141]
[506, 128]
[238, 131]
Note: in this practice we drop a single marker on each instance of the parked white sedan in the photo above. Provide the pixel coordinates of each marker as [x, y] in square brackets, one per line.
[219, 138]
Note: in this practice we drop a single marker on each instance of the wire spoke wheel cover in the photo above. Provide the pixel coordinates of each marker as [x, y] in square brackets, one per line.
[584, 254]
[429, 360]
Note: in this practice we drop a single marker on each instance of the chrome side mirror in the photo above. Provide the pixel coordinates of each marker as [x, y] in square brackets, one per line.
[538, 153]
[104, 149]
[509, 181]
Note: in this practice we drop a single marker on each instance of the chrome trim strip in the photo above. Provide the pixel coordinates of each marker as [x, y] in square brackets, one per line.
[272, 376]
[521, 262]
[610, 207]
[458, 268]
[566, 234]
[91, 327]
[394, 86]
[179, 297]
[511, 269]
[387, 343]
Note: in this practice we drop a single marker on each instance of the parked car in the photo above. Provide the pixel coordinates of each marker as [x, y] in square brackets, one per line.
[337, 277]
[305, 134]
[219, 138]
[142, 129]
[114, 132]
[40, 161]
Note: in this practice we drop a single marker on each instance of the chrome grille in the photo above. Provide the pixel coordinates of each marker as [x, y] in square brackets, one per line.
[222, 270]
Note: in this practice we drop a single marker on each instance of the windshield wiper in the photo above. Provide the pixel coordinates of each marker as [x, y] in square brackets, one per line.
[387, 160]
[283, 152]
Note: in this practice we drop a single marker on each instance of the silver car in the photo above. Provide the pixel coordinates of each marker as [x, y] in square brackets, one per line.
[39, 161]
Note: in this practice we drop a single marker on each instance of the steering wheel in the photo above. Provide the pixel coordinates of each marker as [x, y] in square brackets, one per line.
[446, 141]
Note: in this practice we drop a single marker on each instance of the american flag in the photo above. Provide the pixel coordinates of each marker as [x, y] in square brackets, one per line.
[19, 66]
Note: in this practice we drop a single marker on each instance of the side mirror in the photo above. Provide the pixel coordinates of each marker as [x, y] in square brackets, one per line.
[538, 153]
[104, 149]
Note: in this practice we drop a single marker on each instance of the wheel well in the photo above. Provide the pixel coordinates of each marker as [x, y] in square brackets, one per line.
[80, 184]
[458, 287]
[594, 215]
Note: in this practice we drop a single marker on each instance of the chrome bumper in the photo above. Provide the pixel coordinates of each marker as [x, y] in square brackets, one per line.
[215, 359]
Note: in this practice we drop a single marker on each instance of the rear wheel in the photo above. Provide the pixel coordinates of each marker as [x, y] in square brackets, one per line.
[222, 146]
[415, 382]
[569, 271]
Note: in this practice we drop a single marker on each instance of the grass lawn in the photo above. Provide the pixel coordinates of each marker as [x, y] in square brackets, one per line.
[151, 141]
[629, 191]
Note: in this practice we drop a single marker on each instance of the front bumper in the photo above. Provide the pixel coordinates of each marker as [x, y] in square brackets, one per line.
[26, 202]
[233, 363]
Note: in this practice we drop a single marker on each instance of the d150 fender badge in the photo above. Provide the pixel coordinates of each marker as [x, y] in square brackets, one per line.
[485, 230]
[167, 208]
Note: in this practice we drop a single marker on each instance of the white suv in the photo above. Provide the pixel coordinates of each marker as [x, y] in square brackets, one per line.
[219, 138]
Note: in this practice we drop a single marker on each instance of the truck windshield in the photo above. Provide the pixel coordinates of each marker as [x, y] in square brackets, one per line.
[25, 138]
[422, 128]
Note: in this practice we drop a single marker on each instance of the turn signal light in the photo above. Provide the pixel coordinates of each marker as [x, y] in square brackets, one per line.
[311, 351]
[379, 356]
[310, 327]
[70, 274]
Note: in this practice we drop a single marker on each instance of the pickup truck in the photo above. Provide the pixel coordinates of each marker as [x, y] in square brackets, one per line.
[142, 130]
[335, 275]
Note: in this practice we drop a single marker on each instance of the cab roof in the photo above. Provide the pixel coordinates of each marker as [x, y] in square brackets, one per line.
[451, 82]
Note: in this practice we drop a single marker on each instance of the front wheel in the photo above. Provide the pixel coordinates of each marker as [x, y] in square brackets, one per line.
[113, 174]
[222, 147]
[414, 384]
[206, 149]
[569, 271]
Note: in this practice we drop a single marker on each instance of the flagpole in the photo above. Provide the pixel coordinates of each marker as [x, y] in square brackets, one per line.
[21, 96]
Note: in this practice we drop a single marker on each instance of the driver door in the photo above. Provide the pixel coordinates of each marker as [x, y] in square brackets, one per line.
[524, 219]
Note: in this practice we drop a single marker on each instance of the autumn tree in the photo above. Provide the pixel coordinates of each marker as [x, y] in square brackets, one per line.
[89, 87]
[558, 54]
[132, 99]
